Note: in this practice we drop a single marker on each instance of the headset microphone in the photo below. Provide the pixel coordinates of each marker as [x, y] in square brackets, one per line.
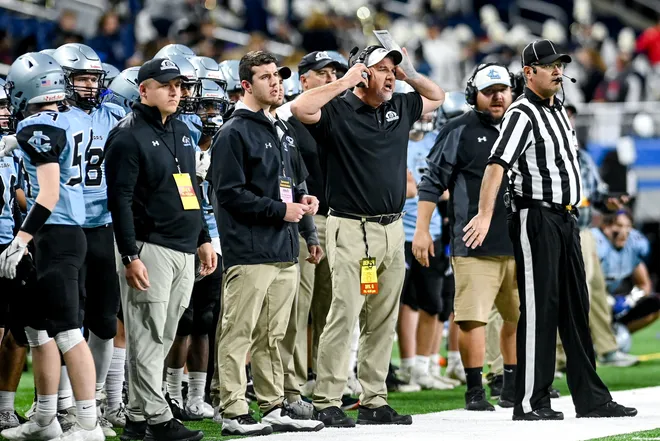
[573, 80]
[534, 70]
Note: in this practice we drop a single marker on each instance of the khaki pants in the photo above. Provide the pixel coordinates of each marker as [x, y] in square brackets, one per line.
[151, 318]
[494, 358]
[314, 295]
[257, 303]
[377, 313]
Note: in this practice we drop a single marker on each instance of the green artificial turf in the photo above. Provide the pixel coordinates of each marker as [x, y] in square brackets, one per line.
[646, 374]
[635, 436]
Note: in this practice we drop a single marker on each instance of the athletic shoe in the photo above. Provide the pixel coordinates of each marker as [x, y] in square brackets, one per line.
[197, 406]
[334, 417]
[618, 359]
[542, 414]
[134, 430]
[456, 372]
[67, 418]
[609, 410]
[436, 371]
[307, 389]
[402, 381]
[280, 420]
[33, 431]
[31, 411]
[382, 415]
[116, 416]
[8, 420]
[171, 430]
[554, 393]
[300, 409]
[244, 425]
[495, 385]
[349, 403]
[180, 412]
[475, 399]
[106, 427]
[353, 384]
[78, 433]
[428, 382]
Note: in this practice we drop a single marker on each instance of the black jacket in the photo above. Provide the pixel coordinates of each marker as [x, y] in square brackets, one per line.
[457, 162]
[142, 195]
[246, 165]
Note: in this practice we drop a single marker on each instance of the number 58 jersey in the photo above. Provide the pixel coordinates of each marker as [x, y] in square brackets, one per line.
[62, 138]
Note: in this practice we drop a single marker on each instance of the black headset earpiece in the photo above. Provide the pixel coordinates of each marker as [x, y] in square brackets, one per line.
[534, 70]
[361, 58]
[471, 90]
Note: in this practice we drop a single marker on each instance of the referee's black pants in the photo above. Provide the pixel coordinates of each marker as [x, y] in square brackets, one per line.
[553, 295]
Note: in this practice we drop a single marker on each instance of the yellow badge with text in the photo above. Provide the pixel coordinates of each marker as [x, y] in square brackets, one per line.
[186, 191]
[368, 276]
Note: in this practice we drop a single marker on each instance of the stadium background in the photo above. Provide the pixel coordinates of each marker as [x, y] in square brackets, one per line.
[615, 45]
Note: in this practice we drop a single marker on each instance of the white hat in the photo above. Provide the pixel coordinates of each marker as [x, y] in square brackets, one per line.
[490, 76]
[377, 55]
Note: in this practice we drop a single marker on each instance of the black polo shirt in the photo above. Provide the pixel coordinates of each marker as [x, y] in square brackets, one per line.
[364, 152]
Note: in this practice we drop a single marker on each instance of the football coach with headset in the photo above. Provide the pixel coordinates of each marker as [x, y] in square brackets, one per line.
[539, 149]
[364, 137]
[487, 275]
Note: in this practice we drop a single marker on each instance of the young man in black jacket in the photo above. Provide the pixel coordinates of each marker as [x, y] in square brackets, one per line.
[260, 203]
[158, 223]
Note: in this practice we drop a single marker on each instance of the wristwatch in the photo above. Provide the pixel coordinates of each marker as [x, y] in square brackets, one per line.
[126, 260]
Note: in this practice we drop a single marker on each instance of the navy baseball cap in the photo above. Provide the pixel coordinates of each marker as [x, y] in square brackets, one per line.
[542, 52]
[159, 69]
[317, 60]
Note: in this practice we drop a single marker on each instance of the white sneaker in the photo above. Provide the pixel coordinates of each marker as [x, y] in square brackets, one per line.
[307, 389]
[354, 385]
[280, 421]
[106, 427]
[618, 359]
[456, 372]
[428, 382]
[404, 375]
[299, 409]
[116, 416]
[198, 407]
[33, 431]
[8, 420]
[436, 371]
[244, 425]
[78, 433]
[31, 411]
[217, 415]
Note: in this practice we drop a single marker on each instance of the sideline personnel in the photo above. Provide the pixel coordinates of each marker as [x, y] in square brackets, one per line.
[539, 149]
[158, 223]
[363, 135]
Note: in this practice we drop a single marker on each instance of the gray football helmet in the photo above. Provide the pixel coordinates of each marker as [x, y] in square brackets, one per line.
[454, 105]
[34, 78]
[292, 87]
[208, 69]
[124, 90]
[339, 58]
[213, 104]
[47, 52]
[188, 103]
[6, 121]
[111, 73]
[229, 69]
[78, 59]
[427, 122]
[175, 49]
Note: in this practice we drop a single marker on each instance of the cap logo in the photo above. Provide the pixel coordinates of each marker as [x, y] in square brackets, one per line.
[322, 55]
[167, 65]
[493, 75]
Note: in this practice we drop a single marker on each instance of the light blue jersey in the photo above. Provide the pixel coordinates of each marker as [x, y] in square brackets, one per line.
[417, 153]
[618, 265]
[194, 125]
[10, 179]
[103, 119]
[53, 137]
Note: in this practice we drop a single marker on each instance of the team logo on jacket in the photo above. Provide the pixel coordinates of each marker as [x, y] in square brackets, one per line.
[391, 116]
[186, 141]
[288, 141]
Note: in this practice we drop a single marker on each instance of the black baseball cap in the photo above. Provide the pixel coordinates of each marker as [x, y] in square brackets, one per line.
[542, 52]
[317, 60]
[159, 69]
[285, 72]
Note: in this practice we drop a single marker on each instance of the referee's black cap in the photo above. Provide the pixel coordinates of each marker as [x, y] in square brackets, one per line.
[542, 52]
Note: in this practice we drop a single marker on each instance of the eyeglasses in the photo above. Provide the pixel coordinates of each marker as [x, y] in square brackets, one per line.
[552, 66]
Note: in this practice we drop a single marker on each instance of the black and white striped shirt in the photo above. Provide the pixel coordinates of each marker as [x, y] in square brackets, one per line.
[538, 147]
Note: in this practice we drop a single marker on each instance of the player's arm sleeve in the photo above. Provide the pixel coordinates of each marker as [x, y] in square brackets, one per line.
[42, 143]
[122, 167]
[515, 137]
[441, 161]
[230, 183]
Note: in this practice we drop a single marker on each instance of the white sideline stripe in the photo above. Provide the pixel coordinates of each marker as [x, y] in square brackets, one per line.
[461, 425]
[530, 311]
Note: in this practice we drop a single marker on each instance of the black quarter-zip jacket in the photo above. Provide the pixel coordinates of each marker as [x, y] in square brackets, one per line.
[246, 164]
[143, 198]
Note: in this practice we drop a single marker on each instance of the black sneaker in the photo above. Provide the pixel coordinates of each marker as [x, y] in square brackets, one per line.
[495, 386]
[334, 417]
[507, 398]
[179, 411]
[349, 403]
[545, 413]
[610, 410]
[554, 393]
[392, 381]
[134, 430]
[382, 415]
[475, 399]
[172, 430]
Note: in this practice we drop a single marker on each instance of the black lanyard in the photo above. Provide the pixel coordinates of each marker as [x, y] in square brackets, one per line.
[173, 153]
[280, 142]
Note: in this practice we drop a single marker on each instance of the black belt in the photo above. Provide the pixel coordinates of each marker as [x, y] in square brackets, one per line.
[383, 219]
[533, 203]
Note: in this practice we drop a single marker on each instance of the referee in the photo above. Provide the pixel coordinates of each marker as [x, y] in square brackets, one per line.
[539, 149]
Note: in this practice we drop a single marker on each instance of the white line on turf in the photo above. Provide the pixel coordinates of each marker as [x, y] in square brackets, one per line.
[461, 425]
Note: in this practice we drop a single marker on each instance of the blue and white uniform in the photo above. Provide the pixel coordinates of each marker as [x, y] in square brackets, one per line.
[11, 178]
